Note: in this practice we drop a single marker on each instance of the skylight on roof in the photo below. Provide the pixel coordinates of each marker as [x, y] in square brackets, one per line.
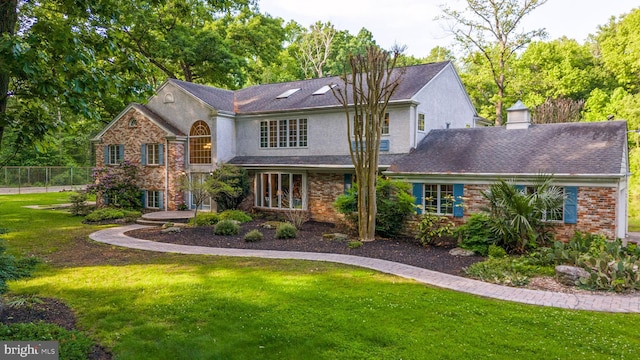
[323, 90]
[287, 93]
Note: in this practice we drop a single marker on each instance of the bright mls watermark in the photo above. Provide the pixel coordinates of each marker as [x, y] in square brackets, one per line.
[32, 350]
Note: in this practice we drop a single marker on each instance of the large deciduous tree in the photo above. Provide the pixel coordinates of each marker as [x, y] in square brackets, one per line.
[364, 95]
[57, 58]
[315, 47]
[492, 28]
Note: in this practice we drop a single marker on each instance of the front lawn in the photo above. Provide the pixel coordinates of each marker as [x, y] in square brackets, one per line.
[164, 306]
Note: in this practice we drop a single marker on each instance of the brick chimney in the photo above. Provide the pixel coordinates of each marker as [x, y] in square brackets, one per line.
[518, 116]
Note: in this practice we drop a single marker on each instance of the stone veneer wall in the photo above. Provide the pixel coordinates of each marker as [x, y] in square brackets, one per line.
[151, 177]
[323, 189]
[596, 210]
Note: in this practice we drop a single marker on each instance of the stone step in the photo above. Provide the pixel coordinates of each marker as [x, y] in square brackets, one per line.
[151, 222]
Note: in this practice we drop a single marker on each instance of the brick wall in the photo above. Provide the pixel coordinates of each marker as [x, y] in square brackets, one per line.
[596, 210]
[323, 190]
[150, 177]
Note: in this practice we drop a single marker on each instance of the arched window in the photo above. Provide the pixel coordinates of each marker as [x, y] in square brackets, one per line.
[200, 143]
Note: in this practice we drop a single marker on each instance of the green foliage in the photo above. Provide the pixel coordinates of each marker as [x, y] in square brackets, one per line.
[12, 268]
[112, 214]
[475, 234]
[286, 230]
[394, 202]
[117, 185]
[514, 271]
[253, 236]
[226, 227]
[183, 207]
[432, 227]
[516, 217]
[228, 186]
[205, 219]
[237, 215]
[79, 205]
[496, 251]
[72, 344]
[355, 244]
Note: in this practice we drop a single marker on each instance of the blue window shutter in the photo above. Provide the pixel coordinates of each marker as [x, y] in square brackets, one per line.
[106, 199]
[143, 154]
[121, 152]
[520, 187]
[384, 145]
[458, 193]
[571, 204]
[143, 198]
[161, 154]
[106, 154]
[418, 193]
[161, 199]
[348, 182]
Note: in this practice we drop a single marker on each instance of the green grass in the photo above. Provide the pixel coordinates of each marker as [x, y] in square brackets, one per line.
[634, 224]
[199, 307]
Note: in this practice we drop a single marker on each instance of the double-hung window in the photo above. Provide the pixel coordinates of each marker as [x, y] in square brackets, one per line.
[556, 214]
[438, 198]
[421, 125]
[290, 133]
[153, 199]
[441, 199]
[113, 154]
[152, 154]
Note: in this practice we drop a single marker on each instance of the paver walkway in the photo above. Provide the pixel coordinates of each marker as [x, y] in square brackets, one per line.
[608, 303]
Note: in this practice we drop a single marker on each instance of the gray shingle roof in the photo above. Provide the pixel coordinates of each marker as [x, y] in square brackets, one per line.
[262, 98]
[566, 148]
[220, 99]
[308, 161]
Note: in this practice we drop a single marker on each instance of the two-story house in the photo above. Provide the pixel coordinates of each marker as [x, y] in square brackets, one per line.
[292, 136]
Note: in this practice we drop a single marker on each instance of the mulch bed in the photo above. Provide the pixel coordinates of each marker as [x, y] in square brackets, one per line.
[50, 311]
[310, 239]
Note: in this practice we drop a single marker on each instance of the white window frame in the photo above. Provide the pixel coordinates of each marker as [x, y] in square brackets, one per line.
[264, 184]
[289, 133]
[529, 190]
[153, 200]
[153, 154]
[114, 154]
[442, 202]
[421, 122]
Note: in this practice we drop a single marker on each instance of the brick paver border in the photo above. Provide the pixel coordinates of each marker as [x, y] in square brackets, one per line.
[606, 303]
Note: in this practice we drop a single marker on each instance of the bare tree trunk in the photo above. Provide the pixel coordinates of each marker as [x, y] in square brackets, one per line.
[8, 20]
[372, 81]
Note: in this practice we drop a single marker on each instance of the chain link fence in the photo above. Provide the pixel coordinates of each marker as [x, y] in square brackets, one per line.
[45, 177]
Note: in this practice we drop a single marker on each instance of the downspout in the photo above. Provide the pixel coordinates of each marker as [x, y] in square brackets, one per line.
[166, 175]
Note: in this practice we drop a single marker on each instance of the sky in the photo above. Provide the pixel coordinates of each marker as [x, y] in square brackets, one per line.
[412, 22]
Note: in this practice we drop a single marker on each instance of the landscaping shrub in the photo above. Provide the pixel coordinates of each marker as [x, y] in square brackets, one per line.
[117, 185]
[112, 214]
[12, 268]
[237, 215]
[286, 231]
[253, 236]
[297, 217]
[496, 251]
[514, 271]
[78, 202]
[354, 244]
[475, 234]
[205, 219]
[432, 227]
[226, 227]
[517, 216]
[72, 344]
[394, 203]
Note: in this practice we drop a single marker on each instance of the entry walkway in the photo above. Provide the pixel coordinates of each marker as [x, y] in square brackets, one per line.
[608, 303]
